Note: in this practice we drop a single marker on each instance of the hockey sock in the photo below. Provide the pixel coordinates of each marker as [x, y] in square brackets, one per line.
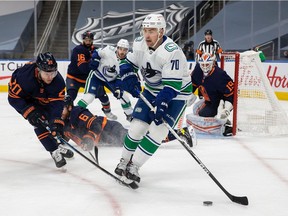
[129, 147]
[145, 150]
[127, 108]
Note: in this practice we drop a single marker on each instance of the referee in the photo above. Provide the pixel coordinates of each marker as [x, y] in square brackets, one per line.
[209, 45]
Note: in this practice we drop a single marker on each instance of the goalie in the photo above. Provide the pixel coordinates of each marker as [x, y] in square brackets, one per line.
[211, 112]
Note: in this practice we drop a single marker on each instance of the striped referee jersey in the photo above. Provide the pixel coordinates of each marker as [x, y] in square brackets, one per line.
[213, 48]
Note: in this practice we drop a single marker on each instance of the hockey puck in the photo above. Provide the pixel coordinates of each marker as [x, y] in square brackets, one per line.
[207, 203]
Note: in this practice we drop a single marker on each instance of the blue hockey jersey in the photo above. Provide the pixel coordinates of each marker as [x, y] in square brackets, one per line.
[215, 86]
[78, 68]
[27, 90]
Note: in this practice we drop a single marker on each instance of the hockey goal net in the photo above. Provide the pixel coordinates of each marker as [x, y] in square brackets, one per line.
[256, 108]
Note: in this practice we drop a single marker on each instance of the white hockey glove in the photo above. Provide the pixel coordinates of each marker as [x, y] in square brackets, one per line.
[225, 112]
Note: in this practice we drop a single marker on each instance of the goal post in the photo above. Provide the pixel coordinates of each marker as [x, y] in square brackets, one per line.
[256, 108]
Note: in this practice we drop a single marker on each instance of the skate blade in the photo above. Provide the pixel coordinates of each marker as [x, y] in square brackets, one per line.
[132, 184]
[63, 169]
[126, 180]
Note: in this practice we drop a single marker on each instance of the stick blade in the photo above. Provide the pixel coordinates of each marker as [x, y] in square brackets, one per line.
[240, 200]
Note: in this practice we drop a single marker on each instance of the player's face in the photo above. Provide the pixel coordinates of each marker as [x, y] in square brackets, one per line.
[66, 112]
[208, 38]
[122, 52]
[151, 36]
[47, 77]
[88, 42]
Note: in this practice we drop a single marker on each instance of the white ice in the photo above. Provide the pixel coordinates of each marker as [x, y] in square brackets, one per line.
[172, 183]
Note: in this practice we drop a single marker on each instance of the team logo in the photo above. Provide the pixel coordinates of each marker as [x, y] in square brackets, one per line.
[110, 72]
[121, 25]
[149, 72]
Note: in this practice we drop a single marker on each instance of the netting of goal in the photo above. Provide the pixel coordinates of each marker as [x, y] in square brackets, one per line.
[256, 108]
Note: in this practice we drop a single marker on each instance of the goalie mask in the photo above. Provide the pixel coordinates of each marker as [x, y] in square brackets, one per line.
[206, 63]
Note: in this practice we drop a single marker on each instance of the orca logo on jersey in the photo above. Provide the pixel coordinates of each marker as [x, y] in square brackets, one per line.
[110, 72]
[148, 71]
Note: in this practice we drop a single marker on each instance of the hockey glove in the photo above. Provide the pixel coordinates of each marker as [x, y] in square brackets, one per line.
[160, 112]
[95, 59]
[32, 115]
[131, 84]
[87, 144]
[161, 103]
[118, 93]
[88, 141]
[56, 127]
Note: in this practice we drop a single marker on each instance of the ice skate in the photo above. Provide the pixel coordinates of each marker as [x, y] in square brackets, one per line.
[58, 158]
[65, 152]
[129, 117]
[109, 114]
[227, 128]
[132, 172]
[185, 135]
[121, 167]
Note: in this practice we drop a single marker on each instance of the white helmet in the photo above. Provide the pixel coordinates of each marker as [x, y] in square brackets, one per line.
[123, 43]
[154, 21]
[206, 63]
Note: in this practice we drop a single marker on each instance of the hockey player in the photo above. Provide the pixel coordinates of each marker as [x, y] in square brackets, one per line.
[209, 45]
[214, 85]
[167, 86]
[88, 130]
[78, 69]
[36, 91]
[106, 66]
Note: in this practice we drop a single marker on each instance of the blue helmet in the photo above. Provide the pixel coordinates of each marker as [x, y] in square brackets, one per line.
[46, 62]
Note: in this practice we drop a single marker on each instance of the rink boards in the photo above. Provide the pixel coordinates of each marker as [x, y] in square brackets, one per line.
[277, 73]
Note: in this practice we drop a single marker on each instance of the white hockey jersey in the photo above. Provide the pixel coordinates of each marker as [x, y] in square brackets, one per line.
[108, 64]
[165, 66]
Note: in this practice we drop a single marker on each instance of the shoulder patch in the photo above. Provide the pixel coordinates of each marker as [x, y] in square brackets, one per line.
[139, 39]
[171, 46]
[111, 48]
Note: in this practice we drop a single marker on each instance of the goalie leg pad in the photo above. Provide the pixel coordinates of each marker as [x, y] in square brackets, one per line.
[206, 125]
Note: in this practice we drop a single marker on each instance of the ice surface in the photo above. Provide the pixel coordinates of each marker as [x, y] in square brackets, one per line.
[172, 183]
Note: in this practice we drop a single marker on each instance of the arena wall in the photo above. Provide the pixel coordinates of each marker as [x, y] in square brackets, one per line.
[277, 73]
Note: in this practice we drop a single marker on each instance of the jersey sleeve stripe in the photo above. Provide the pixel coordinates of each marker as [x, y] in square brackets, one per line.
[77, 79]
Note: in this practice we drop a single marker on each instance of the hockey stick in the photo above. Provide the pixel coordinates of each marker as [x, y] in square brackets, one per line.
[240, 200]
[132, 185]
[95, 158]
[108, 84]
